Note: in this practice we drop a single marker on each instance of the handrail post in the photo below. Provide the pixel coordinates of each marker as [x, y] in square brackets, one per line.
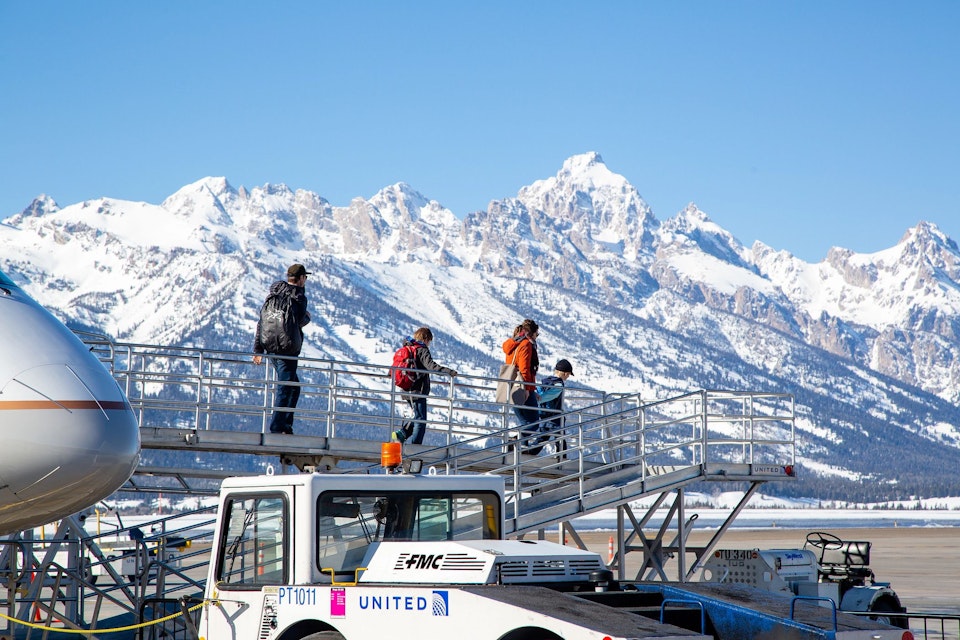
[642, 453]
[833, 606]
[331, 399]
[450, 398]
[682, 536]
[197, 410]
[704, 427]
[266, 392]
[680, 601]
[334, 385]
[793, 429]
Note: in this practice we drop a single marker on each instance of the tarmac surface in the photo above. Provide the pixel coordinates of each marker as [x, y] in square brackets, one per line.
[920, 563]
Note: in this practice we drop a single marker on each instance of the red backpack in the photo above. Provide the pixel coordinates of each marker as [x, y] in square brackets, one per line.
[404, 359]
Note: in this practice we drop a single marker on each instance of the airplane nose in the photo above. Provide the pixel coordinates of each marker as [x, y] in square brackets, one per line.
[73, 424]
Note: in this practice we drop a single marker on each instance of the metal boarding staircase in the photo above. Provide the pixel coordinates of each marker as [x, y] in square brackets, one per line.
[621, 447]
[217, 404]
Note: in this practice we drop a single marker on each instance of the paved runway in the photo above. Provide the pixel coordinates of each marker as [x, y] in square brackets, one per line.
[920, 563]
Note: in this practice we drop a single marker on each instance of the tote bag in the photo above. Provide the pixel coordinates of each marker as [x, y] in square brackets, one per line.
[508, 389]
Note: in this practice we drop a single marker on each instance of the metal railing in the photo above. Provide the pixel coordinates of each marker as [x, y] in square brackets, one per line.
[923, 625]
[934, 626]
[208, 389]
[615, 444]
[78, 580]
[625, 442]
[604, 440]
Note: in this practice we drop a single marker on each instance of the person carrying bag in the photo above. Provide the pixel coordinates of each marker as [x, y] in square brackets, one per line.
[509, 390]
[521, 354]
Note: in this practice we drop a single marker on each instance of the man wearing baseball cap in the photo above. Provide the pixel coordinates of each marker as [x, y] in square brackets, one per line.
[280, 333]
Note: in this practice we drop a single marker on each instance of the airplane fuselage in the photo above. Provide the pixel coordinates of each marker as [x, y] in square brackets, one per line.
[68, 437]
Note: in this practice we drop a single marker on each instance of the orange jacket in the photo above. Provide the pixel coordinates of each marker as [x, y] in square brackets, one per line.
[522, 352]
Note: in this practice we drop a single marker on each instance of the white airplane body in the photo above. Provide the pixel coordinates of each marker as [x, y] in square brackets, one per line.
[69, 436]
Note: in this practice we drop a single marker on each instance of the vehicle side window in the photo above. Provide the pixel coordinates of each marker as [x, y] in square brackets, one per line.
[348, 522]
[254, 549]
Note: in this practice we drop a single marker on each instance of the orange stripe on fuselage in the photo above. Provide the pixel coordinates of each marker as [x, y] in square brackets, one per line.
[21, 405]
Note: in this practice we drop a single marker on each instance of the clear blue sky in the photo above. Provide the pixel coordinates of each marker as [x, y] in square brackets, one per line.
[801, 124]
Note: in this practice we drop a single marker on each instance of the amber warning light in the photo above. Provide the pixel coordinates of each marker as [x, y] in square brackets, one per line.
[390, 454]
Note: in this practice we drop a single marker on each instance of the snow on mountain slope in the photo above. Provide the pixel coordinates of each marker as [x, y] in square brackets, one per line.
[899, 308]
[867, 343]
[875, 290]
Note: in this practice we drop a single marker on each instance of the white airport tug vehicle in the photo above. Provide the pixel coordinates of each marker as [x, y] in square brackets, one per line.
[330, 556]
[826, 568]
[319, 556]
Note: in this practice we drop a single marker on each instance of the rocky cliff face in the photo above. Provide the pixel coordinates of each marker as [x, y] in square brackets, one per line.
[867, 342]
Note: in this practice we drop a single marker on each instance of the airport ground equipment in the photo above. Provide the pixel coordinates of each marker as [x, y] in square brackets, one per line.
[621, 448]
[826, 568]
[350, 556]
[215, 407]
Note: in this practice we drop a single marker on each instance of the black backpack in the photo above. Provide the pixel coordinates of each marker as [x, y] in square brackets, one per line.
[279, 330]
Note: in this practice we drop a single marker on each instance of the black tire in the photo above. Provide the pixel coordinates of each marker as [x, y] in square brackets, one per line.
[530, 633]
[324, 635]
[884, 606]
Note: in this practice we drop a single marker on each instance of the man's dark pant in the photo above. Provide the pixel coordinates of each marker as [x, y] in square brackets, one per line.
[287, 394]
[416, 428]
[529, 414]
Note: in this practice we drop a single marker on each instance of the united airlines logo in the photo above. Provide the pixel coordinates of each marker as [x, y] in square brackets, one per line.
[438, 603]
[441, 603]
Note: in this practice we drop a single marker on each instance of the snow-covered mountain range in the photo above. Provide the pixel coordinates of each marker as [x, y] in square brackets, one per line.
[867, 342]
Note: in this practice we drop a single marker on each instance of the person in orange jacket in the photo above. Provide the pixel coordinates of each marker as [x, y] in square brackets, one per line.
[521, 350]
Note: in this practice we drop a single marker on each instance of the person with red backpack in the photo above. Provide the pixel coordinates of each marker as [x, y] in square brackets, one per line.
[416, 384]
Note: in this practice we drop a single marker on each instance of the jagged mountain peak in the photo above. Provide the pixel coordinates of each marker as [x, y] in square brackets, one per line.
[691, 218]
[400, 198]
[415, 207]
[636, 305]
[41, 205]
[692, 227]
[927, 247]
[693, 214]
[923, 253]
[585, 173]
[586, 164]
[215, 186]
[927, 232]
[204, 200]
[597, 209]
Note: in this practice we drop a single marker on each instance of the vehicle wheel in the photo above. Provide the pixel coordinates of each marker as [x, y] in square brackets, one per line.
[530, 633]
[324, 635]
[886, 607]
